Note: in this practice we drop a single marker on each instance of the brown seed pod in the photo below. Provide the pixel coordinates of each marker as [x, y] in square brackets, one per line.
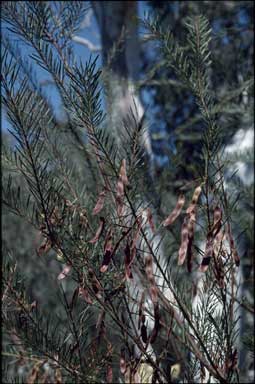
[85, 295]
[100, 202]
[98, 232]
[184, 242]
[65, 272]
[176, 212]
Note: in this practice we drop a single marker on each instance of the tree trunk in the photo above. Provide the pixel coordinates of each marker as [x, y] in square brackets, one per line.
[118, 26]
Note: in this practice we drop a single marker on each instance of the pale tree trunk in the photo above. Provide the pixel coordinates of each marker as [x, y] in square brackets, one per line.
[118, 26]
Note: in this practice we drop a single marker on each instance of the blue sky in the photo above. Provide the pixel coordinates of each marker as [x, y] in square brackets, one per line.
[90, 32]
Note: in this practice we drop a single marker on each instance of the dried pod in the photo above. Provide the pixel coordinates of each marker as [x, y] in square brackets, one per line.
[122, 181]
[184, 242]
[217, 221]
[191, 230]
[149, 268]
[137, 232]
[123, 172]
[85, 295]
[150, 220]
[218, 240]
[123, 366]
[98, 232]
[65, 272]
[176, 212]
[149, 272]
[154, 293]
[100, 203]
[120, 197]
[108, 251]
[194, 200]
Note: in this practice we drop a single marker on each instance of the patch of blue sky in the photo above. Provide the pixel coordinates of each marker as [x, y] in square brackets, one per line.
[243, 17]
[42, 77]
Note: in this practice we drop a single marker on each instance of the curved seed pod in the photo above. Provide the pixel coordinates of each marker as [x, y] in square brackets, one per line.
[122, 181]
[120, 197]
[98, 232]
[176, 212]
[217, 221]
[213, 241]
[189, 226]
[149, 272]
[123, 172]
[218, 240]
[150, 220]
[137, 232]
[194, 200]
[184, 242]
[191, 230]
[108, 251]
[100, 202]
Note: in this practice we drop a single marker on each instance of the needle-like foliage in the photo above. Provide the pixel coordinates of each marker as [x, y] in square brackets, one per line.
[122, 310]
